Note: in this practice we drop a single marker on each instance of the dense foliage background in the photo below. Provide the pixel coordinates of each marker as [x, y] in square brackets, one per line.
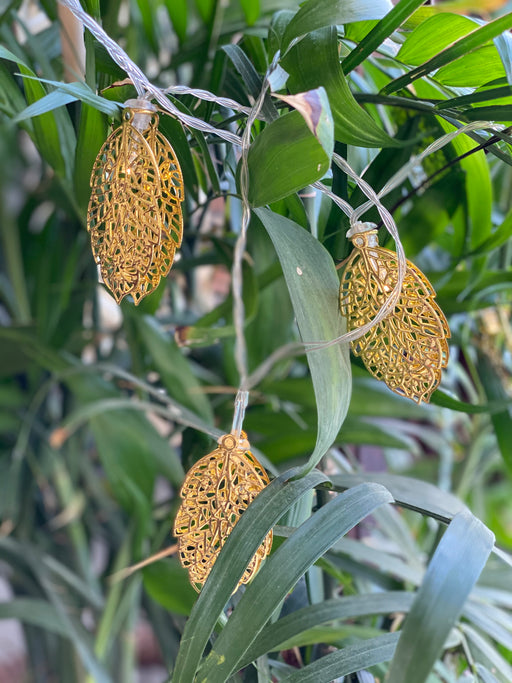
[103, 408]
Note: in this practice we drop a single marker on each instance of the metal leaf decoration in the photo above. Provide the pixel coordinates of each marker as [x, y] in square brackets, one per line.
[134, 215]
[216, 492]
[408, 348]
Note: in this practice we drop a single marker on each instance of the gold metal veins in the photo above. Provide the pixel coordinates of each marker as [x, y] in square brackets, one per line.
[134, 215]
[408, 348]
[216, 492]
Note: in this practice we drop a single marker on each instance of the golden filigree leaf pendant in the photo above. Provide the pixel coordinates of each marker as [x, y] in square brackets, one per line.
[408, 348]
[134, 215]
[216, 492]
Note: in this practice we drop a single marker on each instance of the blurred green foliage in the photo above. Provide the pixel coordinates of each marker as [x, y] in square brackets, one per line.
[101, 411]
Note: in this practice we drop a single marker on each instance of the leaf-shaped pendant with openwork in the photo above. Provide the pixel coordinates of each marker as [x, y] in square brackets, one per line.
[134, 215]
[216, 492]
[409, 347]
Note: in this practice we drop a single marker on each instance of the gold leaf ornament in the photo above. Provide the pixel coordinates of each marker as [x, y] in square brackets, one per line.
[216, 492]
[408, 348]
[134, 215]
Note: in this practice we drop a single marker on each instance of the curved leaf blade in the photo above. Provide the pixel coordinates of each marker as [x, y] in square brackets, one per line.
[319, 13]
[313, 285]
[282, 570]
[286, 157]
[236, 553]
[314, 62]
[452, 573]
[459, 48]
[346, 661]
[350, 607]
[400, 12]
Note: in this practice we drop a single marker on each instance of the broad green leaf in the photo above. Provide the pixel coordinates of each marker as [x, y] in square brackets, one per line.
[282, 570]
[316, 14]
[314, 108]
[459, 48]
[167, 582]
[284, 158]
[347, 660]
[274, 635]
[314, 62]
[432, 36]
[383, 29]
[124, 441]
[313, 285]
[410, 493]
[454, 569]
[478, 67]
[234, 557]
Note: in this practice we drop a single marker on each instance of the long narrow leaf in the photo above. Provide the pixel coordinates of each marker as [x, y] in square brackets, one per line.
[346, 661]
[400, 12]
[350, 607]
[461, 47]
[452, 573]
[282, 570]
[240, 546]
[313, 285]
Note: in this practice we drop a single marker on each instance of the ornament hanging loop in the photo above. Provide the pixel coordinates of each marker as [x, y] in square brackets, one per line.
[241, 401]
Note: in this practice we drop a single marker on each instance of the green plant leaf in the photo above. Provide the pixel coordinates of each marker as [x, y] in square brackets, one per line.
[314, 62]
[313, 285]
[501, 420]
[458, 49]
[474, 69]
[251, 79]
[385, 27]
[79, 91]
[46, 131]
[47, 103]
[284, 158]
[316, 14]
[347, 660]
[433, 35]
[285, 629]
[282, 570]
[167, 582]
[410, 493]
[234, 557]
[478, 188]
[451, 574]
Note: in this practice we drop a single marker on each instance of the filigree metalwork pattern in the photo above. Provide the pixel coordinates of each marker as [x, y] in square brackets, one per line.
[408, 348]
[216, 492]
[134, 215]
